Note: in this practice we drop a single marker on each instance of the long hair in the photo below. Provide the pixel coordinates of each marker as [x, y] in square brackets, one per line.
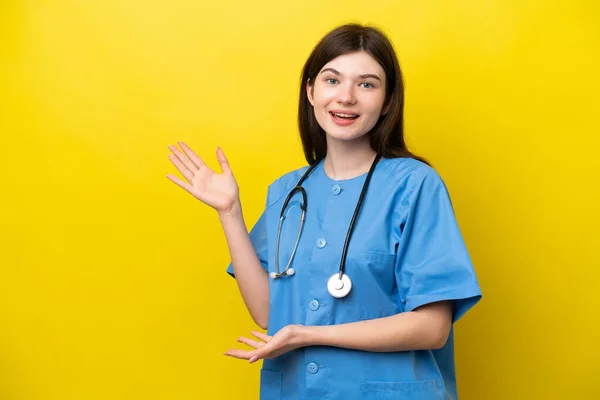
[387, 136]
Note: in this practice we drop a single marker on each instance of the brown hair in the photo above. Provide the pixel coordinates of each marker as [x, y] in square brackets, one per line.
[387, 136]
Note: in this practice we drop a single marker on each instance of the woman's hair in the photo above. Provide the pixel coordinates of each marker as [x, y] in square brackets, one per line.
[387, 136]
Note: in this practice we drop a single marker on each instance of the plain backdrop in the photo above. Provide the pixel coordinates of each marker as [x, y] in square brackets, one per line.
[112, 279]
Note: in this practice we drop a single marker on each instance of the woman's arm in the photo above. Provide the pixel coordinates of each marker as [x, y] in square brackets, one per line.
[221, 192]
[425, 328]
[251, 277]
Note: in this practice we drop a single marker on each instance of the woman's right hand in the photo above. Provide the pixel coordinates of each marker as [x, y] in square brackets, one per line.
[219, 191]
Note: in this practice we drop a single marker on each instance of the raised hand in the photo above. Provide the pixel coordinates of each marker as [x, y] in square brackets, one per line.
[219, 191]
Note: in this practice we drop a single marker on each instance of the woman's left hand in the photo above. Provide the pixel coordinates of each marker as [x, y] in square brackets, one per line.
[287, 339]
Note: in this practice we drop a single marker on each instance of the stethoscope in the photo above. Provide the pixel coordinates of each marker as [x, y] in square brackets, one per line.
[339, 285]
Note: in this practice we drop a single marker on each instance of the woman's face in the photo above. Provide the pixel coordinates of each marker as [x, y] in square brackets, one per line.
[348, 95]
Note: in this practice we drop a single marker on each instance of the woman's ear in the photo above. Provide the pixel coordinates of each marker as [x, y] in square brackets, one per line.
[310, 92]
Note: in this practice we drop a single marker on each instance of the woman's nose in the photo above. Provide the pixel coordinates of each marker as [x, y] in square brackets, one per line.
[346, 95]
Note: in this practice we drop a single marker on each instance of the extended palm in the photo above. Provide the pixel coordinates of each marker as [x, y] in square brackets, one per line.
[285, 340]
[219, 191]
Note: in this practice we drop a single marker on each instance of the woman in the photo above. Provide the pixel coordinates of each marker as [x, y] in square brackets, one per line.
[359, 287]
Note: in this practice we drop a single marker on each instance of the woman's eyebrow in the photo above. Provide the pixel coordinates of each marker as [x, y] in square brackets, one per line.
[370, 76]
[336, 72]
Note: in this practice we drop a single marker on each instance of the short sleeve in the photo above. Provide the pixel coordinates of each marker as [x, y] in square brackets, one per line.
[258, 237]
[432, 262]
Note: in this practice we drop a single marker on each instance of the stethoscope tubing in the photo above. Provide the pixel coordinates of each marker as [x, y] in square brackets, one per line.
[299, 188]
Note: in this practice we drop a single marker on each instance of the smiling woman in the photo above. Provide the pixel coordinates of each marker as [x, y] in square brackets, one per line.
[412, 275]
[343, 95]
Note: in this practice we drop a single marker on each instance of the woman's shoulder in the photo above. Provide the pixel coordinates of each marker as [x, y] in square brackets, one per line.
[415, 182]
[410, 171]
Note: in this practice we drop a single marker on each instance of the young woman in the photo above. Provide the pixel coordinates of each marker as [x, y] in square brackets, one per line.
[357, 267]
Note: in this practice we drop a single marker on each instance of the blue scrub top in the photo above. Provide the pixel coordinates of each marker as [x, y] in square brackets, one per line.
[406, 251]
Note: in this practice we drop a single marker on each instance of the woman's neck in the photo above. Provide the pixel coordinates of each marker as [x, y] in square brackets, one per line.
[347, 160]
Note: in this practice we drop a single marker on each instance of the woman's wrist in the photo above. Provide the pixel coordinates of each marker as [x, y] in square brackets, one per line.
[308, 335]
[233, 214]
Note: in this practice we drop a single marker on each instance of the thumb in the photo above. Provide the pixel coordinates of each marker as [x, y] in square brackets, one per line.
[223, 162]
[255, 357]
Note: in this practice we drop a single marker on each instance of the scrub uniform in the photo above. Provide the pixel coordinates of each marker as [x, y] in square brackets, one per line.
[406, 251]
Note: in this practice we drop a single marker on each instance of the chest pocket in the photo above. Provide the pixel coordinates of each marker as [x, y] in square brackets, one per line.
[270, 384]
[374, 292]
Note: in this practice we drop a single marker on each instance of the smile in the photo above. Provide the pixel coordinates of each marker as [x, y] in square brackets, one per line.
[343, 119]
[344, 116]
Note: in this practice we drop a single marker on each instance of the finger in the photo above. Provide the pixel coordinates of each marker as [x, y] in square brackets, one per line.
[250, 342]
[265, 338]
[192, 155]
[181, 167]
[223, 162]
[181, 183]
[241, 354]
[183, 158]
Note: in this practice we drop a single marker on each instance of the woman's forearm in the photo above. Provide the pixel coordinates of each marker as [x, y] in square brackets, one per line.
[251, 277]
[423, 329]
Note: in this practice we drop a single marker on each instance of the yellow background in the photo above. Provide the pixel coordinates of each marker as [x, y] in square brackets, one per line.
[112, 282]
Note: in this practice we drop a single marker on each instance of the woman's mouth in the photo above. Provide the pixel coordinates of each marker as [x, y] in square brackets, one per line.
[343, 119]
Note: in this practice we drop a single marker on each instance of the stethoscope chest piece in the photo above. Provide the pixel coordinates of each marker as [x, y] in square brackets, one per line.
[339, 287]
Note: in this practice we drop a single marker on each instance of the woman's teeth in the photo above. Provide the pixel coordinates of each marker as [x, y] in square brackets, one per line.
[347, 116]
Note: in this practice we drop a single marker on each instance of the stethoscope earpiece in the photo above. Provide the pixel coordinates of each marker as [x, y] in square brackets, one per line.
[289, 272]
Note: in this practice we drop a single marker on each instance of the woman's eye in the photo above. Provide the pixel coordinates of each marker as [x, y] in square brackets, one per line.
[331, 81]
[367, 85]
